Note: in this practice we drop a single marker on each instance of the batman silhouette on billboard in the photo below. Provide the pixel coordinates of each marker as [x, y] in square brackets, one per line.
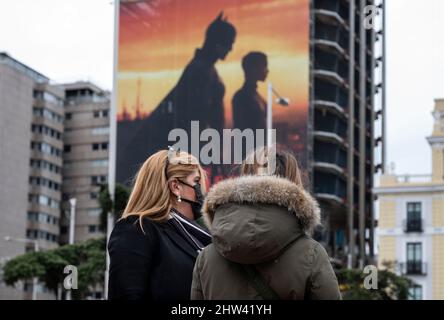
[197, 96]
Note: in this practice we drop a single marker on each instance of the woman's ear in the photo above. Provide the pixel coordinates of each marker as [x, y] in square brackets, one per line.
[174, 187]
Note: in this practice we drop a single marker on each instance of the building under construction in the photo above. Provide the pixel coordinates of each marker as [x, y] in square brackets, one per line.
[347, 122]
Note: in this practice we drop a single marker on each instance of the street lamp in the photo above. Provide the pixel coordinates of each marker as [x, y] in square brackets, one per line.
[285, 102]
[36, 249]
[72, 219]
[72, 225]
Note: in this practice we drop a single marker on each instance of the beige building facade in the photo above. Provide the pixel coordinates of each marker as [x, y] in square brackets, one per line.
[411, 220]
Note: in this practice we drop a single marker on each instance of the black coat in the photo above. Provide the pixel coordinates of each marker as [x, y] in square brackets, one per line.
[157, 265]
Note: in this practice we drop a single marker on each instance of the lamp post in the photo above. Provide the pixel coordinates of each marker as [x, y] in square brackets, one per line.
[285, 102]
[72, 219]
[36, 249]
[72, 225]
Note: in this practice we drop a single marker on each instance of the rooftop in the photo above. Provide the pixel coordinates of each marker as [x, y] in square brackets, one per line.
[21, 67]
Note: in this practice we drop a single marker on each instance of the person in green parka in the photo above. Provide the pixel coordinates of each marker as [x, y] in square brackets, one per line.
[261, 223]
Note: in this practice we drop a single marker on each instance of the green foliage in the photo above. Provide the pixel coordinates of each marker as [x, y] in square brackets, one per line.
[121, 195]
[89, 257]
[390, 285]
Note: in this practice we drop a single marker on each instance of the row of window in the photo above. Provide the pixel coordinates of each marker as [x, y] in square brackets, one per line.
[95, 180]
[46, 165]
[48, 114]
[40, 181]
[42, 218]
[94, 212]
[42, 129]
[92, 228]
[100, 130]
[46, 148]
[94, 146]
[94, 131]
[96, 114]
[100, 114]
[44, 200]
[42, 235]
[100, 146]
[93, 163]
[48, 97]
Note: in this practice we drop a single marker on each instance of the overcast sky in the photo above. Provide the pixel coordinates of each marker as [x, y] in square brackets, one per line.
[68, 40]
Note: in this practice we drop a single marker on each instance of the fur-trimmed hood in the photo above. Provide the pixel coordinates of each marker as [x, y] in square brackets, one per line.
[264, 190]
[253, 218]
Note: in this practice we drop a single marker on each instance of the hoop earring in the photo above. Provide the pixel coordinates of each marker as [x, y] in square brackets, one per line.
[179, 199]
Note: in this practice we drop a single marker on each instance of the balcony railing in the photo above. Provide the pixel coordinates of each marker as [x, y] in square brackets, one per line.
[413, 268]
[413, 225]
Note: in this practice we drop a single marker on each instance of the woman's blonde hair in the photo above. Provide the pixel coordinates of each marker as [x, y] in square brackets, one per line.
[284, 164]
[151, 196]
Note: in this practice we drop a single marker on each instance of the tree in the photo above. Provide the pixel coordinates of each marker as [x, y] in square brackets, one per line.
[390, 285]
[121, 195]
[89, 257]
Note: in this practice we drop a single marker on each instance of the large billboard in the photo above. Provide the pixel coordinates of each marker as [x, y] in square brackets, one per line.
[209, 62]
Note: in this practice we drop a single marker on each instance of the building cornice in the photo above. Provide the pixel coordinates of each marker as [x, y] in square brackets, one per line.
[409, 189]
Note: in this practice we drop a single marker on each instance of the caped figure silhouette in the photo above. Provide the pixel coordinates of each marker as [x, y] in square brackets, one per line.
[197, 96]
[249, 108]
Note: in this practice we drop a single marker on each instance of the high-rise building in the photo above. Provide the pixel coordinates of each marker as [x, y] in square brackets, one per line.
[31, 146]
[86, 144]
[411, 220]
[343, 112]
[48, 132]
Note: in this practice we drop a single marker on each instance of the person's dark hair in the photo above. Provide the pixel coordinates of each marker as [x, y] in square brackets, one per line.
[220, 31]
[252, 60]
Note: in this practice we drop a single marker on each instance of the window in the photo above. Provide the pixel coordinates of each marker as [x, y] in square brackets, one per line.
[43, 164]
[94, 212]
[93, 195]
[93, 228]
[414, 221]
[42, 218]
[414, 258]
[44, 201]
[46, 148]
[100, 114]
[100, 130]
[40, 234]
[100, 146]
[40, 181]
[68, 116]
[415, 292]
[67, 148]
[49, 97]
[96, 180]
[99, 163]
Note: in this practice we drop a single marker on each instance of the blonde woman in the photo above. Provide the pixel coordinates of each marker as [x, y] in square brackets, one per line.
[153, 247]
[262, 248]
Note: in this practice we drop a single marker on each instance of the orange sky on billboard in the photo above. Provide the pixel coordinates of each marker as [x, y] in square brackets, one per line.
[156, 43]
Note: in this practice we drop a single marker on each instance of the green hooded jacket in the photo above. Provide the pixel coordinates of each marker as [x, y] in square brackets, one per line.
[266, 222]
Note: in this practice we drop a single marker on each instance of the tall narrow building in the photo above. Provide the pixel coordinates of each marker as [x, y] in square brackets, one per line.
[31, 147]
[86, 144]
[343, 113]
